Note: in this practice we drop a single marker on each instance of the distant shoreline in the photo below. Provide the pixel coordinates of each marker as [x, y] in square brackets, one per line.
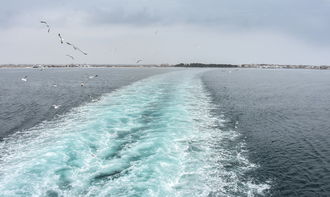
[190, 65]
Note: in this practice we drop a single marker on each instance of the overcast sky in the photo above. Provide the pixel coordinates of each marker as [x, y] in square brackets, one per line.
[166, 31]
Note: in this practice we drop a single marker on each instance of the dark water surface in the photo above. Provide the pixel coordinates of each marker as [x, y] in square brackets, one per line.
[24, 104]
[284, 116]
[165, 132]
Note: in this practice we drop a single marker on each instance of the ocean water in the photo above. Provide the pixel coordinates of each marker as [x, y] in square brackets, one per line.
[284, 116]
[23, 105]
[166, 132]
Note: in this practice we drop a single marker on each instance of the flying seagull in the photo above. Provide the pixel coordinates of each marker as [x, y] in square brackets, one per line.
[82, 51]
[139, 61]
[24, 79]
[83, 83]
[47, 25]
[70, 56]
[92, 76]
[62, 40]
[56, 106]
[76, 48]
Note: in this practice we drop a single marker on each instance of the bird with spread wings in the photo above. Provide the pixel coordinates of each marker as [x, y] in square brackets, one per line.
[76, 48]
[47, 25]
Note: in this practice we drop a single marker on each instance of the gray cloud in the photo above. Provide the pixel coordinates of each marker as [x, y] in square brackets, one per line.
[302, 18]
[292, 15]
[302, 21]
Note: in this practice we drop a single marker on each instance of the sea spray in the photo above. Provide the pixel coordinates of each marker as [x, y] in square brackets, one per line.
[156, 137]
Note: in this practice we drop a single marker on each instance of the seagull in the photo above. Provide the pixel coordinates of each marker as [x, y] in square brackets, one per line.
[75, 47]
[70, 56]
[82, 84]
[54, 85]
[62, 40]
[24, 79]
[139, 61]
[56, 106]
[47, 25]
[82, 51]
[92, 76]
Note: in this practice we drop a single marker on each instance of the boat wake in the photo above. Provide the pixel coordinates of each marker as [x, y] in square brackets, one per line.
[156, 137]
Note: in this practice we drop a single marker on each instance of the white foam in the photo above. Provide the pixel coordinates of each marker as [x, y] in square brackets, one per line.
[158, 134]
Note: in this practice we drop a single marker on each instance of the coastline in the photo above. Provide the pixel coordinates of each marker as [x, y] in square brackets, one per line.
[190, 65]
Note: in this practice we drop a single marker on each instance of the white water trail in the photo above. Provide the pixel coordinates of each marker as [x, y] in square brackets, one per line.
[156, 137]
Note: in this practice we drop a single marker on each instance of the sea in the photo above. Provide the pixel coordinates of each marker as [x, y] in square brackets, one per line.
[164, 132]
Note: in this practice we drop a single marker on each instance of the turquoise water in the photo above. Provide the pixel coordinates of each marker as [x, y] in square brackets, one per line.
[155, 137]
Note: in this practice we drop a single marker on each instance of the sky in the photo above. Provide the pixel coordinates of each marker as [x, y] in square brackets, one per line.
[166, 31]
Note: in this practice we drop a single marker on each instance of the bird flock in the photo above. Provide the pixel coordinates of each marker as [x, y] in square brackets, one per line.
[25, 78]
[63, 42]
[75, 48]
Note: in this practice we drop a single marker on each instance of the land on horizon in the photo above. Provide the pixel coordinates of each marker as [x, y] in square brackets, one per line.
[187, 65]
